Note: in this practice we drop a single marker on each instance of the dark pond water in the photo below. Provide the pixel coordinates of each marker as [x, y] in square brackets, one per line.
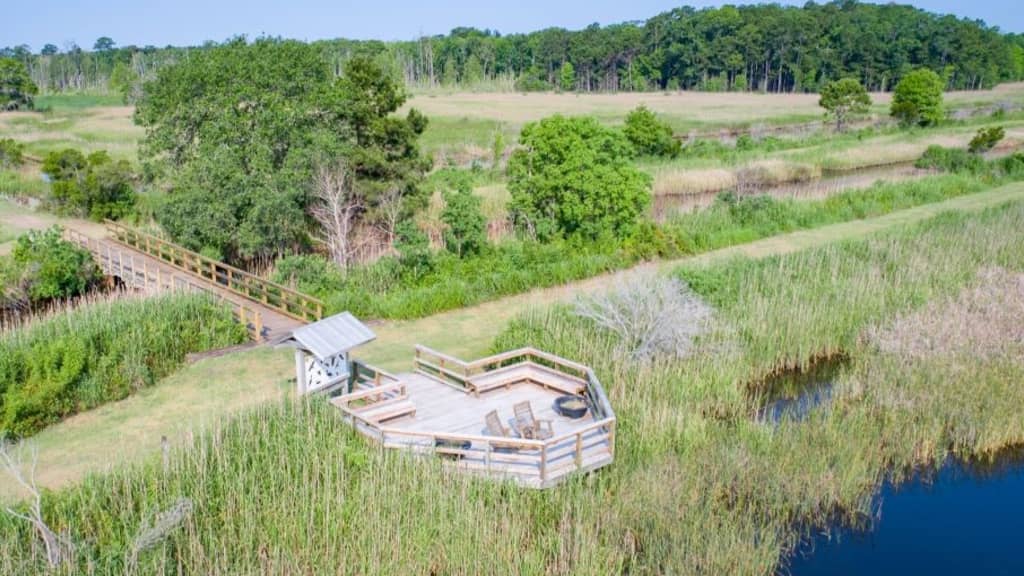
[795, 394]
[965, 518]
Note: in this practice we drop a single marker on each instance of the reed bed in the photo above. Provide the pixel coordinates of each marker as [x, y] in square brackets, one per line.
[103, 350]
[698, 486]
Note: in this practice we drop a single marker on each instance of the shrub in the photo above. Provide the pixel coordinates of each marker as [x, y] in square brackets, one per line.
[917, 99]
[648, 135]
[986, 139]
[43, 266]
[952, 160]
[465, 231]
[572, 176]
[102, 352]
[844, 98]
[96, 187]
[11, 153]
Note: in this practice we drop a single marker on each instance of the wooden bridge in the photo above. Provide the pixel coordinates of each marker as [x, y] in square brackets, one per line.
[148, 263]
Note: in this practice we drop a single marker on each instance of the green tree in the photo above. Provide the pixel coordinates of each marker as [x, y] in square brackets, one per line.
[567, 77]
[465, 231]
[917, 99]
[103, 44]
[986, 139]
[97, 187]
[844, 98]
[16, 87]
[240, 128]
[11, 153]
[450, 74]
[573, 176]
[43, 266]
[49, 50]
[648, 135]
[473, 71]
[122, 81]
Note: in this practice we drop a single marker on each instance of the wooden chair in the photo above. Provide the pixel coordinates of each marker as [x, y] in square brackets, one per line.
[529, 426]
[494, 425]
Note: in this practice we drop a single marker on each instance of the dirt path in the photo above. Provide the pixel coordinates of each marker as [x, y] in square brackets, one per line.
[202, 393]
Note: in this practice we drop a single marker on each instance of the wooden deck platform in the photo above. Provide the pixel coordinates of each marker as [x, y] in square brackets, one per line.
[429, 415]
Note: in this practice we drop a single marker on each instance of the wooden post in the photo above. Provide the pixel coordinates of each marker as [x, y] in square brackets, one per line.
[300, 372]
[579, 450]
[487, 456]
[543, 464]
[257, 322]
[611, 438]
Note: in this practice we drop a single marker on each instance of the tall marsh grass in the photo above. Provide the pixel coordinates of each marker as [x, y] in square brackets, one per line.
[102, 351]
[698, 486]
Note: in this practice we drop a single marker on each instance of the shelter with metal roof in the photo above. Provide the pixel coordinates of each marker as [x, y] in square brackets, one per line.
[322, 349]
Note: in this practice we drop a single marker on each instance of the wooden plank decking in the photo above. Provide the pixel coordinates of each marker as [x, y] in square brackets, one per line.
[144, 272]
[446, 418]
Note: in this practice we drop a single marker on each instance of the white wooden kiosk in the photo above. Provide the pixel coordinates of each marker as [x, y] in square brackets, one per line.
[322, 361]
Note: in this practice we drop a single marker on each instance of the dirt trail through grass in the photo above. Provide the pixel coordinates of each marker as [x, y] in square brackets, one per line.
[202, 393]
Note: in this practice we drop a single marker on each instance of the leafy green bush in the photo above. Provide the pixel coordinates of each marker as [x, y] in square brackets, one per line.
[648, 135]
[986, 139]
[43, 266]
[952, 160]
[465, 231]
[572, 176]
[102, 352]
[96, 186]
[917, 99]
[11, 153]
[844, 98]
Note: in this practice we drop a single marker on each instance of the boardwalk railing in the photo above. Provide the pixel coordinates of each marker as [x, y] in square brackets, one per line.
[270, 294]
[140, 275]
[534, 462]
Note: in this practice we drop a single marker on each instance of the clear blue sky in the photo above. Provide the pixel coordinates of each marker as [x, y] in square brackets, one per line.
[186, 22]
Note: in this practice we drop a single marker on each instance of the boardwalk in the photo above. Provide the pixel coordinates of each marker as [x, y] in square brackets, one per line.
[141, 271]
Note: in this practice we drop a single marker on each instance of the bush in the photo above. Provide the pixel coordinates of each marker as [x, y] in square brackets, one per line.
[43, 266]
[572, 176]
[96, 186]
[465, 231]
[11, 153]
[650, 136]
[844, 98]
[917, 99]
[986, 139]
[952, 160]
[102, 352]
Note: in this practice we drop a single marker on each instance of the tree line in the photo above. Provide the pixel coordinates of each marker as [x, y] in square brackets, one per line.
[743, 48]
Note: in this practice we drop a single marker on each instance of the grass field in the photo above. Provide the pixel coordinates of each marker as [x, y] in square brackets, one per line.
[203, 393]
[463, 125]
[697, 486]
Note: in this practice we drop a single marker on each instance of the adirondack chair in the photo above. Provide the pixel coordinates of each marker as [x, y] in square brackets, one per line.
[528, 425]
[494, 425]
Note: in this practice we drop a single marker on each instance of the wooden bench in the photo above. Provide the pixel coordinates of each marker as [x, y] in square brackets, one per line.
[390, 409]
[526, 372]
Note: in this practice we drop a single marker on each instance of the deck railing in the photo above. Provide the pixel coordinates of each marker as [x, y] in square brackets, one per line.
[460, 374]
[139, 275]
[537, 462]
[270, 294]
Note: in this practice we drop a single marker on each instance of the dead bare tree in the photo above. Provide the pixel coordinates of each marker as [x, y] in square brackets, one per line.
[389, 206]
[58, 547]
[651, 315]
[336, 209]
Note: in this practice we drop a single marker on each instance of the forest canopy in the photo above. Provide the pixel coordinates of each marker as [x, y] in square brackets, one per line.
[759, 47]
